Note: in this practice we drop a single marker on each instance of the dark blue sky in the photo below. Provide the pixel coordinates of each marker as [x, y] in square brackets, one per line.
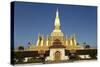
[30, 19]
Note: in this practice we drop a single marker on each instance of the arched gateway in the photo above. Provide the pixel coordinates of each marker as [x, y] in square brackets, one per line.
[57, 50]
[57, 56]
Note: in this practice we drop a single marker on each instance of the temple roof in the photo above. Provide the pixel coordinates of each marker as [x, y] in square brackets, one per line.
[57, 44]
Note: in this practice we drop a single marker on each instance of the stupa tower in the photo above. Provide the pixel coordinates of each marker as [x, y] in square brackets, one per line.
[57, 23]
[57, 33]
[57, 30]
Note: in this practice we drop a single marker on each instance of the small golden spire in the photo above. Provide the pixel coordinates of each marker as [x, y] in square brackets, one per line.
[39, 40]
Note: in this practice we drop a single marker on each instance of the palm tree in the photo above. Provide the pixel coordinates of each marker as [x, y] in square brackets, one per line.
[84, 44]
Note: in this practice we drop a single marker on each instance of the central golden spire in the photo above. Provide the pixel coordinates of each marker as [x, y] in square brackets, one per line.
[57, 22]
[57, 31]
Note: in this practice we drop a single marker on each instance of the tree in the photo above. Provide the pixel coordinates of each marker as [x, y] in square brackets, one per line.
[21, 48]
[84, 43]
[87, 46]
[78, 44]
